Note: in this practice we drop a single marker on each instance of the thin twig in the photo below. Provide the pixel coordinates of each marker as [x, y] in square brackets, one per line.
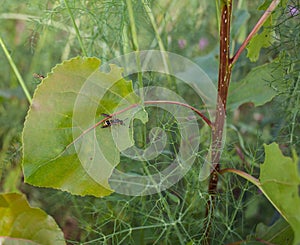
[205, 119]
[246, 176]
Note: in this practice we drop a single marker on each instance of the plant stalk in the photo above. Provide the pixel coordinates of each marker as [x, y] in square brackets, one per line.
[16, 71]
[217, 130]
[141, 134]
[225, 69]
[76, 29]
[162, 48]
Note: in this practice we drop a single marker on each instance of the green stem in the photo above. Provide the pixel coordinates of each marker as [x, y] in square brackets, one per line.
[217, 2]
[166, 208]
[256, 182]
[76, 28]
[246, 176]
[132, 25]
[292, 105]
[15, 69]
[154, 25]
[150, 14]
[135, 41]
[141, 129]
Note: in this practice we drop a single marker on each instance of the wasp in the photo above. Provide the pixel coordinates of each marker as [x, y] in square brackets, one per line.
[38, 76]
[110, 122]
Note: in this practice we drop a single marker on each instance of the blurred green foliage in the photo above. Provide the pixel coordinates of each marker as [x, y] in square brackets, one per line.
[39, 34]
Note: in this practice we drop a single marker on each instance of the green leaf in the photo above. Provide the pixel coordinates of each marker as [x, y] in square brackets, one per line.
[12, 180]
[255, 87]
[280, 183]
[239, 25]
[22, 224]
[64, 145]
[210, 63]
[278, 233]
[263, 39]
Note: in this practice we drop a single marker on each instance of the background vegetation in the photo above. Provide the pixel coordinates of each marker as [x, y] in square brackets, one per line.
[40, 34]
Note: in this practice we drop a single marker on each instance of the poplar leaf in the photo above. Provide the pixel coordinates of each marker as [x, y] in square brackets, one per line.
[64, 144]
[22, 224]
[280, 182]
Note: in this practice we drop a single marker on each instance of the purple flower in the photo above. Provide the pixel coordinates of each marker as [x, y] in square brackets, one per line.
[293, 10]
[203, 42]
[181, 43]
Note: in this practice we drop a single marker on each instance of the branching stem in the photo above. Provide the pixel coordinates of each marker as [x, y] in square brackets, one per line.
[225, 69]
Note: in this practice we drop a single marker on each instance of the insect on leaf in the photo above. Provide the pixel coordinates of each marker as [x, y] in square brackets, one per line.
[64, 145]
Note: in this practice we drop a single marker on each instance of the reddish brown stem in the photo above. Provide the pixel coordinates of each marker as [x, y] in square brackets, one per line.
[225, 69]
[148, 102]
[217, 132]
[205, 119]
[223, 83]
